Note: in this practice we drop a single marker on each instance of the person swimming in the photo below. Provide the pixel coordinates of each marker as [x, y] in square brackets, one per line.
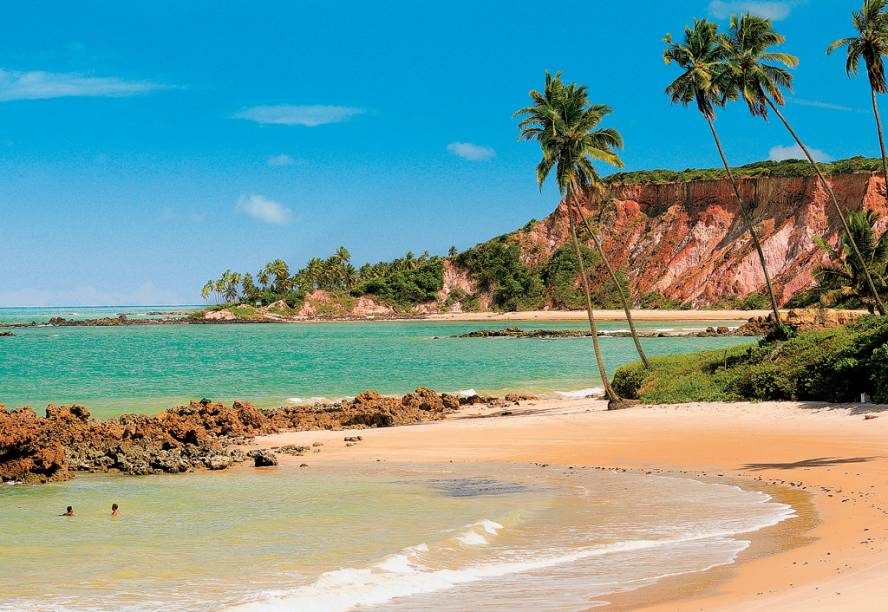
[69, 511]
[115, 510]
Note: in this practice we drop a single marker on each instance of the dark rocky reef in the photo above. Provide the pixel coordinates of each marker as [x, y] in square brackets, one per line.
[517, 332]
[201, 435]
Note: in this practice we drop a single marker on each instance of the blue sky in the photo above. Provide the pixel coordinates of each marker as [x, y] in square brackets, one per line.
[147, 146]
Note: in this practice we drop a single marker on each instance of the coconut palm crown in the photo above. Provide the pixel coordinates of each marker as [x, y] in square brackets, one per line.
[753, 67]
[565, 125]
[871, 22]
[705, 81]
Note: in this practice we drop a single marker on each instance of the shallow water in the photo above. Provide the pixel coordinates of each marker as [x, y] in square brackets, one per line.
[44, 313]
[113, 370]
[386, 536]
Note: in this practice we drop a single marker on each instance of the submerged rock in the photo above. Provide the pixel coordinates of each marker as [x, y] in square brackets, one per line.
[264, 458]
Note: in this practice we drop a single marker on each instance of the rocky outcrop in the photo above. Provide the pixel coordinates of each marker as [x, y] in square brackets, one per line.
[802, 320]
[686, 241]
[202, 434]
[517, 332]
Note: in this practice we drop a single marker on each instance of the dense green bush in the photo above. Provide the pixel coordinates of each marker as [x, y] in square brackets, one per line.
[496, 266]
[401, 287]
[560, 275]
[831, 365]
[786, 168]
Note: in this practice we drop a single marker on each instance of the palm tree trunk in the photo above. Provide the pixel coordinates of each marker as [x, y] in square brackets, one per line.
[745, 214]
[608, 390]
[613, 276]
[866, 273]
[881, 137]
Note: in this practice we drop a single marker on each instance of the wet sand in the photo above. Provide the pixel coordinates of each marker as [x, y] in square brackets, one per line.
[829, 461]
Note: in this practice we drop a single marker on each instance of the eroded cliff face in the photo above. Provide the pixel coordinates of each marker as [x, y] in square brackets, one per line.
[687, 241]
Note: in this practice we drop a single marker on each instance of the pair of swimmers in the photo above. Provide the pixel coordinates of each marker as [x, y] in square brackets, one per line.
[115, 510]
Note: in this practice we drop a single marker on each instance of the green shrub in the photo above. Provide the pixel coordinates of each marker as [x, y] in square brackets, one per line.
[785, 168]
[754, 301]
[496, 266]
[832, 365]
[400, 287]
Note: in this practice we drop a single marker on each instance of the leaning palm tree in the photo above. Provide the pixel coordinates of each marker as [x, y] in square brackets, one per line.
[207, 290]
[755, 75]
[564, 124]
[872, 25]
[843, 278]
[703, 81]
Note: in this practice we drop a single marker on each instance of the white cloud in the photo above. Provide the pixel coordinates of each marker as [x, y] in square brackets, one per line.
[826, 105]
[39, 85]
[146, 294]
[309, 116]
[470, 151]
[779, 153]
[722, 9]
[283, 160]
[260, 207]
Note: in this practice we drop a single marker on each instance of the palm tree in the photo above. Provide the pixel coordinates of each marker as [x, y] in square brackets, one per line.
[262, 276]
[843, 278]
[872, 25]
[207, 290]
[701, 55]
[565, 124]
[281, 272]
[759, 81]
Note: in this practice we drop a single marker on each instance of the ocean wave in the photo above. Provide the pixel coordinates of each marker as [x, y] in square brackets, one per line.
[411, 572]
[581, 393]
[475, 534]
[466, 393]
[306, 400]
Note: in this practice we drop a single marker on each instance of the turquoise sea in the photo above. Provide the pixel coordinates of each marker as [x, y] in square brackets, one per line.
[382, 536]
[113, 370]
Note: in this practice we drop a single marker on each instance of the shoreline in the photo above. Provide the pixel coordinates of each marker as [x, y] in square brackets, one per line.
[527, 315]
[831, 454]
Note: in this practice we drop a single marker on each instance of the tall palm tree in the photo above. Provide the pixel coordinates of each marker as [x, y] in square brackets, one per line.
[843, 277]
[759, 80]
[565, 124]
[701, 54]
[281, 272]
[872, 25]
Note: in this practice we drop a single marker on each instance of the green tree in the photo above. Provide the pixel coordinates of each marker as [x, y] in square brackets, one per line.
[565, 125]
[842, 278]
[701, 55]
[249, 287]
[207, 290]
[281, 272]
[263, 277]
[757, 77]
[871, 23]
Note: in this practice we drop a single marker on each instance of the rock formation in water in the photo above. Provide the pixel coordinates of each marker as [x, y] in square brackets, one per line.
[203, 434]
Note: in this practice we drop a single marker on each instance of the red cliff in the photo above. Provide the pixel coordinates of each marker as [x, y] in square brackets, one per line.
[687, 241]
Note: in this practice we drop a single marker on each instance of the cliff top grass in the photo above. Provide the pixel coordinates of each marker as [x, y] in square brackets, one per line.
[835, 365]
[786, 168]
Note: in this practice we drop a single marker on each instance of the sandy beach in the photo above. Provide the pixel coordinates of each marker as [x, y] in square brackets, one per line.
[829, 461]
[603, 315]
